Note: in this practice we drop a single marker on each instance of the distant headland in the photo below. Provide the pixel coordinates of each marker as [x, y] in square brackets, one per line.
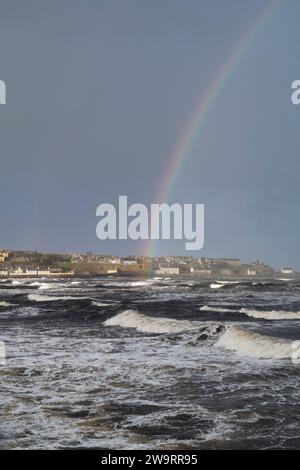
[17, 263]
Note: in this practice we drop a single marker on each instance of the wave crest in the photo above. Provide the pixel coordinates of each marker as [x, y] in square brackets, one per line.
[254, 345]
[48, 298]
[208, 308]
[147, 324]
[3, 303]
[271, 314]
[263, 314]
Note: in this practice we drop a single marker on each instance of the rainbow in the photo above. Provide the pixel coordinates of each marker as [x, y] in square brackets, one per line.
[204, 104]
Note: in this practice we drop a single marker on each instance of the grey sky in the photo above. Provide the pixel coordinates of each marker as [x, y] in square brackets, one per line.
[98, 93]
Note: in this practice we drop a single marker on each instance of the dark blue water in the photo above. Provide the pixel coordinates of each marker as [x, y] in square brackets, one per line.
[157, 363]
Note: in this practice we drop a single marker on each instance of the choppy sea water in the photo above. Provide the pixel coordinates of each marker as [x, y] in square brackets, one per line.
[116, 363]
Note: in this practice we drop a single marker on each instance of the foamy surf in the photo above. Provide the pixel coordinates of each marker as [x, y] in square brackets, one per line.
[5, 304]
[147, 324]
[145, 283]
[246, 343]
[103, 304]
[48, 298]
[262, 314]
[228, 282]
[140, 283]
[219, 284]
[271, 314]
[47, 285]
[208, 308]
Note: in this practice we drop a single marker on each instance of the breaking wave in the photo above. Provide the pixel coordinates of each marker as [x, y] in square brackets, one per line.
[228, 282]
[219, 284]
[147, 324]
[103, 304]
[272, 314]
[207, 308]
[246, 343]
[47, 285]
[243, 342]
[139, 283]
[43, 285]
[48, 298]
[5, 304]
[263, 314]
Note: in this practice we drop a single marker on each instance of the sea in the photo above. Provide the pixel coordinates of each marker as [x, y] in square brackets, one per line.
[157, 363]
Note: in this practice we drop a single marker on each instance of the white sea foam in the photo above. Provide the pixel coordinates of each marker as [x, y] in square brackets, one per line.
[138, 283]
[48, 298]
[147, 324]
[147, 282]
[271, 314]
[228, 282]
[114, 283]
[215, 285]
[47, 285]
[264, 314]
[103, 304]
[28, 311]
[208, 308]
[254, 345]
[5, 304]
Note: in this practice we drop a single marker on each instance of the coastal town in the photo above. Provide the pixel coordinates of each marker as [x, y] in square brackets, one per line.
[16, 263]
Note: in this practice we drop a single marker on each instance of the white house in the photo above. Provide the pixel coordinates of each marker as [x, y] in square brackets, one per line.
[129, 262]
[251, 272]
[43, 271]
[287, 271]
[31, 271]
[200, 271]
[167, 270]
[17, 271]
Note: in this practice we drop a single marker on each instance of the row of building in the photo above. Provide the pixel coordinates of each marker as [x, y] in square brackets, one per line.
[7, 271]
[207, 267]
[17, 263]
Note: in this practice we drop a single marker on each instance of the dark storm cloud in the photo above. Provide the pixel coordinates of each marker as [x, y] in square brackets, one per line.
[98, 93]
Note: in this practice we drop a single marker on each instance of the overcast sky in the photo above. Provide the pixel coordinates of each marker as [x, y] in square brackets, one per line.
[98, 93]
